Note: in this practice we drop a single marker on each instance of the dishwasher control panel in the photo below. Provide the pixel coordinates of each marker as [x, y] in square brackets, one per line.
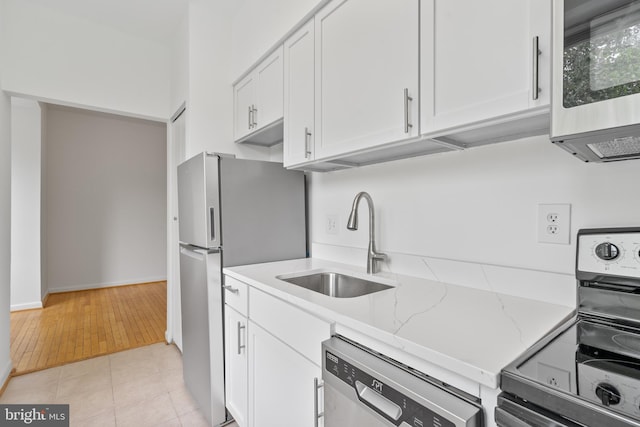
[381, 397]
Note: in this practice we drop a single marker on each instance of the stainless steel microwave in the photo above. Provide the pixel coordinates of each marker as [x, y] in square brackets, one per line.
[595, 103]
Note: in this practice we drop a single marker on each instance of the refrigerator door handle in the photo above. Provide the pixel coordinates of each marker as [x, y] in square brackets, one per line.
[212, 222]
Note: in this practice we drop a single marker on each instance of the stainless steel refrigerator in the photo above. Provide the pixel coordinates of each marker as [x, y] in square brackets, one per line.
[231, 212]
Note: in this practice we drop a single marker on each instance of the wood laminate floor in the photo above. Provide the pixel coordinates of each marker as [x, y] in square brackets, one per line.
[80, 325]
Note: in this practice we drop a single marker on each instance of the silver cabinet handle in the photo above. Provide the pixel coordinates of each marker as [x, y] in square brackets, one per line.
[255, 114]
[240, 328]
[535, 90]
[307, 148]
[316, 413]
[407, 98]
[231, 289]
[249, 117]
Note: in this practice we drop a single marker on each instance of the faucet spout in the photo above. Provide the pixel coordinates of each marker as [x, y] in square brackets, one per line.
[352, 224]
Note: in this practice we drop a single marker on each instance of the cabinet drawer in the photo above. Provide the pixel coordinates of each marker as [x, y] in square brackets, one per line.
[236, 294]
[298, 329]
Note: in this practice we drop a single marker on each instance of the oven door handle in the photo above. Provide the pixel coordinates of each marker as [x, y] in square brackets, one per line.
[506, 419]
[511, 414]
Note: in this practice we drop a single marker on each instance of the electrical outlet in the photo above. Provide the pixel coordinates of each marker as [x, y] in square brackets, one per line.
[332, 224]
[555, 377]
[554, 223]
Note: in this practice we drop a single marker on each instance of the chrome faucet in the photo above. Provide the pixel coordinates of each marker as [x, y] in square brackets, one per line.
[352, 224]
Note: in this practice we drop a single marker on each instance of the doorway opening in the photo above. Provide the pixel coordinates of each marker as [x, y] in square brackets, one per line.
[89, 215]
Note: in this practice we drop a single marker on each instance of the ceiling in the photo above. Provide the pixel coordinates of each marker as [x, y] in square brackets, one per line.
[154, 20]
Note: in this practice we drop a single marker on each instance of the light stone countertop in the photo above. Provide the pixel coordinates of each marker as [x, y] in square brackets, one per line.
[471, 332]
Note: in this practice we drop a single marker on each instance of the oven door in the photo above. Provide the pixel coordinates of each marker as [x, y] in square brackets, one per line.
[512, 412]
[596, 84]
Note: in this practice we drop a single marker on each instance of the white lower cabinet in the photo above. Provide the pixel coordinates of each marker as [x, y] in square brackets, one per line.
[236, 364]
[282, 389]
[273, 362]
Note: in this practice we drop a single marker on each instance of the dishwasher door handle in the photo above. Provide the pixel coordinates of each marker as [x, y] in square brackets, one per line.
[382, 403]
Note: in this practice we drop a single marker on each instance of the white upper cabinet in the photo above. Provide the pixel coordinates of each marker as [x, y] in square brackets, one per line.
[269, 88]
[258, 103]
[366, 74]
[368, 81]
[298, 96]
[243, 94]
[479, 61]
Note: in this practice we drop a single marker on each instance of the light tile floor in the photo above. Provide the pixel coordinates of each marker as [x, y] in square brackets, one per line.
[139, 387]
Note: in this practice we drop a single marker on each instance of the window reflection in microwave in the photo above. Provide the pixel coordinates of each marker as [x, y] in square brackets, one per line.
[602, 55]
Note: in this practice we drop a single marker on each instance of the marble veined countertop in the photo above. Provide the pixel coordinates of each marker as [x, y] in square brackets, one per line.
[474, 333]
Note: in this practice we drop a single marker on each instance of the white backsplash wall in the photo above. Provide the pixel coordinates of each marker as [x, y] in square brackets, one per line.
[479, 206]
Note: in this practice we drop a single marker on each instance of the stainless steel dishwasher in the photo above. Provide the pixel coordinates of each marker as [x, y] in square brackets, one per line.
[365, 388]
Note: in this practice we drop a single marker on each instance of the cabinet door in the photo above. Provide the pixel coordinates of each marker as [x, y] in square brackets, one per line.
[366, 59]
[236, 366]
[298, 96]
[281, 383]
[244, 102]
[477, 59]
[269, 96]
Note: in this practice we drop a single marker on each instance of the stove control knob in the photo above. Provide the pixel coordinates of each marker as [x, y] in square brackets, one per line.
[607, 251]
[608, 394]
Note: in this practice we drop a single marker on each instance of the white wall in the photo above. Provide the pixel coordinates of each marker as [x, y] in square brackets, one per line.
[210, 93]
[44, 286]
[72, 61]
[179, 66]
[478, 205]
[5, 213]
[106, 199]
[26, 142]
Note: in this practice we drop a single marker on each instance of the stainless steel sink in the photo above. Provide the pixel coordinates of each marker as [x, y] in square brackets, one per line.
[335, 284]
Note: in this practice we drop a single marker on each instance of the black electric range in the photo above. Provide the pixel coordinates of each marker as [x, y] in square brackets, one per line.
[586, 372]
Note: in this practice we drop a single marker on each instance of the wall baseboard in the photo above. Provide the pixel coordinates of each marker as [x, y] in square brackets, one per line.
[45, 299]
[106, 285]
[26, 306]
[5, 376]
[167, 337]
